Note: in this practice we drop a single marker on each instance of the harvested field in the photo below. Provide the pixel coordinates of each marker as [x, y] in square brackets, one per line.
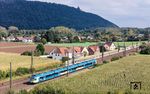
[12, 47]
[12, 44]
[24, 61]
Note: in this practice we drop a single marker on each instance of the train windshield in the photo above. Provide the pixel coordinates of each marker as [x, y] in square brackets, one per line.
[33, 77]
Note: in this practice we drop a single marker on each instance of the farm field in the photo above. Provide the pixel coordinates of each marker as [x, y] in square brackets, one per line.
[112, 77]
[92, 43]
[24, 61]
[73, 44]
[13, 47]
[128, 43]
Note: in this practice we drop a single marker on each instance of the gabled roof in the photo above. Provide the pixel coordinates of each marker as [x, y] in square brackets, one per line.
[61, 50]
[49, 48]
[78, 49]
[94, 48]
[28, 38]
[24, 38]
[19, 38]
[108, 43]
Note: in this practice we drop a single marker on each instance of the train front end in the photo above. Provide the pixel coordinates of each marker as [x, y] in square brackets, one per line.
[34, 79]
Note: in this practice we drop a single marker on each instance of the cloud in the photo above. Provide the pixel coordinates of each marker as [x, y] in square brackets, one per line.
[124, 13]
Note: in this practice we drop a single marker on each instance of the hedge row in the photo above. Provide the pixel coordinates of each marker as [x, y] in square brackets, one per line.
[20, 71]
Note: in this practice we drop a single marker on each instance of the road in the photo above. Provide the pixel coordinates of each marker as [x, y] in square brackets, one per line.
[22, 84]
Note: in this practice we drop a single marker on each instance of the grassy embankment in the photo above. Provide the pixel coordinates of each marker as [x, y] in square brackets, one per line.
[115, 76]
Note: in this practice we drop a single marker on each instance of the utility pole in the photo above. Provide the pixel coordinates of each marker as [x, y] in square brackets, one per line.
[148, 36]
[124, 45]
[124, 48]
[132, 44]
[68, 66]
[73, 55]
[31, 68]
[136, 46]
[118, 46]
[10, 75]
[102, 52]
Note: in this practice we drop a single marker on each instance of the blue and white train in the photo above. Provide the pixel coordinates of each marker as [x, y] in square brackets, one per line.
[36, 78]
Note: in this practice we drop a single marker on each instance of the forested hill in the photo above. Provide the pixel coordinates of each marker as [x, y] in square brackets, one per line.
[42, 15]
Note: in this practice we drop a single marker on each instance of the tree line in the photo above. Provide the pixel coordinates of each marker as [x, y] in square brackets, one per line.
[61, 34]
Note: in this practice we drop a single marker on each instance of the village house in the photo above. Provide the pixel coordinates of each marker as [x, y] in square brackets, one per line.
[28, 39]
[59, 52]
[85, 51]
[77, 51]
[81, 51]
[24, 39]
[18, 39]
[109, 46]
[83, 38]
[93, 50]
[77, 39]
[64, 39]
[90, 37]
[10, 39]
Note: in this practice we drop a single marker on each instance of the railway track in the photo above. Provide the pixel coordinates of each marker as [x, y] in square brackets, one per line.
[22, 84]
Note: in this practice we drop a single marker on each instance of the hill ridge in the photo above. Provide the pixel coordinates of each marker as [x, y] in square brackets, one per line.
[42, 15]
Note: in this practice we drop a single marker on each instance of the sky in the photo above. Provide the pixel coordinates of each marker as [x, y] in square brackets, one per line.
[124, 13]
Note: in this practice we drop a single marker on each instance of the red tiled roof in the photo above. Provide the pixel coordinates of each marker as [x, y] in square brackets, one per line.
[61, 50]
[19, 38]
[108, 43]
[48, 49]
[78, 49]
[28, 38]
[94, 48]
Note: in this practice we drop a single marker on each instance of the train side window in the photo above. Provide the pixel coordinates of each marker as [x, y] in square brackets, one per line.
[48, 75]
[41, 78]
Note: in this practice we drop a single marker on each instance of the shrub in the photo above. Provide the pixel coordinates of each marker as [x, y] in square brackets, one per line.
[23, 92]
[47, 90]
[105, 62]
[64, 59]
[145, 49]
[115, 58]
[121, 57]
[22, 71]
[7, 74]
[97, 65]
[40, 48]
[2, 74]
[27, 53]
[46, 53]
[44, 41]
[37, 53]
[10, 92]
